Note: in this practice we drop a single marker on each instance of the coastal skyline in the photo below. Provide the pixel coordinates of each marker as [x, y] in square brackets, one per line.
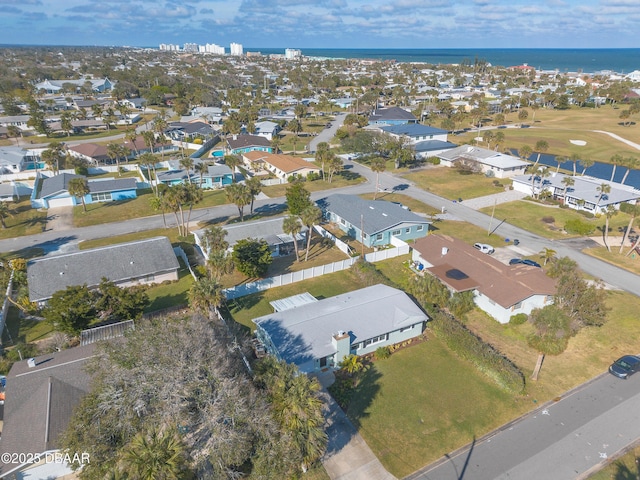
[324, 23]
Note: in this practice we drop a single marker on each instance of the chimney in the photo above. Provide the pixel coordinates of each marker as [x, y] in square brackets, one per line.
[31, 362]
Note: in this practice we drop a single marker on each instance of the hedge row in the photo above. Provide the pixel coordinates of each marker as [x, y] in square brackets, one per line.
[483, 356]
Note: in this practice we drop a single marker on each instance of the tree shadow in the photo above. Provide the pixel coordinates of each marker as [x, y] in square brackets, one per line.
[363, 395]
[349, 175]
[54, 245]
[624, 472]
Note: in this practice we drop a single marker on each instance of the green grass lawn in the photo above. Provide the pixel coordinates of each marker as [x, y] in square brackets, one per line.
[23, 330]
[466, 231]
[24, 220]
[558, 127]
[170, 233]
[449, 183]
[107, 212]
[344, 178]
[528, 216]
[627, 467]
[631, 263]
[414, 205]
[172, 294]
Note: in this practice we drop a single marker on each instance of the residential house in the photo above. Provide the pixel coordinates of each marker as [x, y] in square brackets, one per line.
[373, 222]
[490, 162]
[267, 129]
[17, 159]
[52, 192]
[7, 192]
[56, 86]
[286, 166]
[93, 153]
[19, 121]
[584, 194]
[320, 334]
[269, 230]
[134, 103]
[391, 116]
[189, 131]
[239, 144]
[41, 394]
[217, 176]
[142, 262]
[426, 141]
[500, 290]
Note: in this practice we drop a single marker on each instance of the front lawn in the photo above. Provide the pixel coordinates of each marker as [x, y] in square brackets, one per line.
[345, 178]
[107, 212]
[630, 263]
[451, 184]
[23, 220]
[529, 216]
[22, 330]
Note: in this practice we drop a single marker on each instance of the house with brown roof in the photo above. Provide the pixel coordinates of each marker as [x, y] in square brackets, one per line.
[282, 166]
[91, 152]
[500, 290]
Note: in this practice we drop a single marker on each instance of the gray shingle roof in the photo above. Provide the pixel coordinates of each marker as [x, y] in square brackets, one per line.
[413, 129]
[433, 145]
[40, 400]
[391, 113]
[303, 333]
[117, 263]
[269, 230]
[56, 184]
[112, 185]
[243, 141]
[375, 215]
[59, 184]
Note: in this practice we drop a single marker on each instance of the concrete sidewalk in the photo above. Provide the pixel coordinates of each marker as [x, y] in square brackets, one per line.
[348, 457]
[494, 199]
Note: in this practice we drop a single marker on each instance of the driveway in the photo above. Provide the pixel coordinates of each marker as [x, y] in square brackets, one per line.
[348, 457]
[59, 219]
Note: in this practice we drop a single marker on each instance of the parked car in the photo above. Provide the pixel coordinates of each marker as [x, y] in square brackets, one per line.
[625, 366]
[524, 261]
[485, 248]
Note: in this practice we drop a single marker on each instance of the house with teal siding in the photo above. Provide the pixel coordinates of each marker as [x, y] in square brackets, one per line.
[51, 192]
[373, 222]
[316, 335]
[391, 116]
[240, 144]
[217, 176]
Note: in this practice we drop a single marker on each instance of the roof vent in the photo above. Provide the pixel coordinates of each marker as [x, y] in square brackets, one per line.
[445, 250]
[61, 273]
[31, 362]
[131, 262]
[340, 333]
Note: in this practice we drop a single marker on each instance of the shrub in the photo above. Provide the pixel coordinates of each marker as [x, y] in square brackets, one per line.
[382, 353]
[518, 319]
[578, 226]
[313, 176]
[434, 160]
[82, 170]
[197, 141]
[548, 219]
[368, 273]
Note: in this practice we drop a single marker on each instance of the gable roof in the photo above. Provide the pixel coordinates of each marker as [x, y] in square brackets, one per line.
[92, 150]
[59, 184]
[243, 141]
[56, 185]
[484, 156]
[432, 145]
[117, 263]
[218, 171]
[374, 215]
[504, 284]
[391, 113]
[40, 400]
[270, 230]
[305, 332]
[412, 129]
[111, 185]
[287, 163]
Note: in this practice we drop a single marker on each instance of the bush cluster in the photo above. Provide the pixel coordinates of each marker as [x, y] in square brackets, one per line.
[368, 273]
[518, 319]
[473, 349]
[548, 219]
[578, 226]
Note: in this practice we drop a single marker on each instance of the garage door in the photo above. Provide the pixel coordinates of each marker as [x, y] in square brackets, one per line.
[60, 202]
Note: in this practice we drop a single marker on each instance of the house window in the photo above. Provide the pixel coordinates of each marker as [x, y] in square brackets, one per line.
[410, 327]
[407, 230]
[364, 235]
[379, 236]
[419, 228]
[395, 232]
[101, 197]
[343, 221]
[517, 306]
[374, 340]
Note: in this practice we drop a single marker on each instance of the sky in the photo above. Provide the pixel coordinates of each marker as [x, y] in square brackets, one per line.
[324, 23]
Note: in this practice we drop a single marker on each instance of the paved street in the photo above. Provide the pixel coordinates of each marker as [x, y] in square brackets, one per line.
[562, 440]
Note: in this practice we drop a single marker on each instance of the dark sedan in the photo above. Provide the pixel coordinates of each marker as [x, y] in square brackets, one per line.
[625, 366]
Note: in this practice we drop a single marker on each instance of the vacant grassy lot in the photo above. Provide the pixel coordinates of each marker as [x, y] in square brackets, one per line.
[528, 216]
[107, 212]
[467, 232]
[344, 178]
[558, 127]
[449, 183]
[23, 220]
[631, 263]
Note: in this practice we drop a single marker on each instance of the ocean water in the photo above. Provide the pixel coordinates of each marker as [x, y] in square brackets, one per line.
[588, 60]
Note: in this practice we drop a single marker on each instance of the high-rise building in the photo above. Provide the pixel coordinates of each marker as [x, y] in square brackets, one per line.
[212, 48]
[169, 47]
[291, 53]
[236, 49]
[190, 47]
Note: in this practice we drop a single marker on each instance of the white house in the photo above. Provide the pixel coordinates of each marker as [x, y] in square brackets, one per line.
[500, 290]
[501, 164]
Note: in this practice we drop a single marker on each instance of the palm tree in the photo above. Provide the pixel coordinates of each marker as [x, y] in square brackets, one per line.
[547, 254]
[187, 164]
[5, 212]
[15, 132]
[158, 204]
[201, 168]
[205, 295]
[276, 141]
[254, 184]
[321, 154]
[377, 165]
[604, 189]
[631, 163]
[131, 136]
[232, 161]
[615, 161]
[213, 238]
[310, 216]
[149, 139]
[155, 454]
[352, 364]
[559, 160]
[568, 182]
[149, 161]
[633, 210]
[609, 212]
[219, 263]
[115, 151]
[51, 156]
[586, 163]
[525, 152]
[239, 195]
[79, 187]
[541, 147]
[574, 159]
[291, 225]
